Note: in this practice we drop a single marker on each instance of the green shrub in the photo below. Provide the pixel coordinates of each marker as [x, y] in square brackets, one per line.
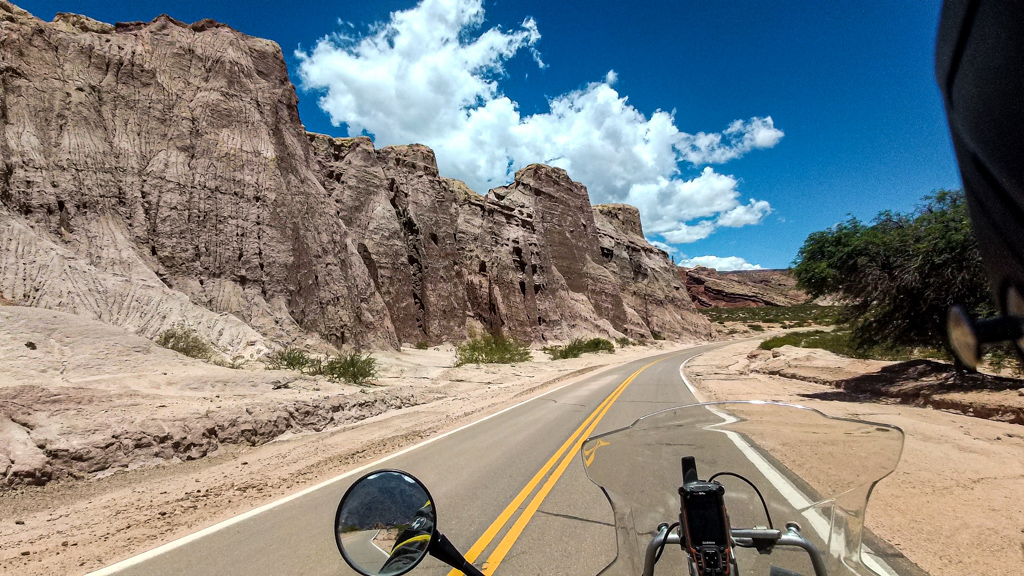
[1001, 357]
[573, 349]
[842, 342]
[422, 345]
[353, 368]
[579, 346]
[491, 349]
[801, 313]
[623, 342]
[186, 341]
[657, 335]
[291, 359]
[900, 273]
[756, 327]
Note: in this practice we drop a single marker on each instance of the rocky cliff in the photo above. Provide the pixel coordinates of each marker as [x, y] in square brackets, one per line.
[653, 291]
[154, 174]
[709, 288]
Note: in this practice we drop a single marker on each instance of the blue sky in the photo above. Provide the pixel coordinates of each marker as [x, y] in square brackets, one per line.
[856, 123]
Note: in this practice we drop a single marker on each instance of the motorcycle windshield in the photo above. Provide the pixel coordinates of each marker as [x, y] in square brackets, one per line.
[812, 469]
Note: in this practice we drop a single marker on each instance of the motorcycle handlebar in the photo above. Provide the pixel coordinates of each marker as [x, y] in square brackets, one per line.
[746, 538]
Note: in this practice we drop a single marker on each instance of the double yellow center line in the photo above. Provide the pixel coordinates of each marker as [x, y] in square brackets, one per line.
[567, 451]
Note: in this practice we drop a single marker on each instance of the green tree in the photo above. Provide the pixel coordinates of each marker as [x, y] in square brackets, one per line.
[901, 273]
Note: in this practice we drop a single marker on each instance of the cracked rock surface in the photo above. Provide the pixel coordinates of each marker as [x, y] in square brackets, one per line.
[155, 174]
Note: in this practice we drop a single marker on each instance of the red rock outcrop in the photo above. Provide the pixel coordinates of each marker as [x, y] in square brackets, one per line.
[709, 288]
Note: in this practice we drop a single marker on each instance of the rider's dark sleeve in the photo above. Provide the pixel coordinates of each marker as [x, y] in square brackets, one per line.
[411, 542]
[979, 62]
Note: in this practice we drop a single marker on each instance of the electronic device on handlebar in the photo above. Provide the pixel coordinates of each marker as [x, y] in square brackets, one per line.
[705, 523]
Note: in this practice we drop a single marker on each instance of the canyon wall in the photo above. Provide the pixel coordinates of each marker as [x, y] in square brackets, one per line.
[710, 288]
[156, 174]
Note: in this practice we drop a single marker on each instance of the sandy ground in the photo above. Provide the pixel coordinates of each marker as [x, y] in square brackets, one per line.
[104, 377]
[953, 504]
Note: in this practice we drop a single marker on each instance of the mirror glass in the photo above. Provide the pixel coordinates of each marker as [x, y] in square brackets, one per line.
[385, 523]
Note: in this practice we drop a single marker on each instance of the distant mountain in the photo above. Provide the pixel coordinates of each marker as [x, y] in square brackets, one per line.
[385, 499]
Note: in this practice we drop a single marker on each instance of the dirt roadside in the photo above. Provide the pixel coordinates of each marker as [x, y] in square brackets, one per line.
[953, 504]
[53, 529]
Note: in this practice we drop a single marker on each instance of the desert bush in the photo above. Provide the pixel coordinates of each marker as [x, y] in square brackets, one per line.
[354, 368]
[579, 346]
[1000, 357]
[805, 314]
[491, 349]
[623, 342]
[186, 341]
[422, 345]
[290, 359]
[901, 273]
[844, 343]
[756, 327]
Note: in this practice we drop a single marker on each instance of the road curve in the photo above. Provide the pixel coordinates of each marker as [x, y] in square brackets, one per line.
[520, 465]
[360, 549]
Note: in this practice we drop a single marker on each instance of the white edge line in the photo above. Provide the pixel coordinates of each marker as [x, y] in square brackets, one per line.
[700, 397]
[374, 544]
[789, 491]
[163, 549]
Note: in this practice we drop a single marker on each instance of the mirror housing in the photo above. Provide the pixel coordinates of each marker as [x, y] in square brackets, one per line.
[385, 523]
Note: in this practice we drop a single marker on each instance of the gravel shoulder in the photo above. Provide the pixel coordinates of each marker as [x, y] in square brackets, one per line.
[953, 505]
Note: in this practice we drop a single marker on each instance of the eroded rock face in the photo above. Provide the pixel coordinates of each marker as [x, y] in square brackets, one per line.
[186, 138]
[655, 296]
[543, 264]
[748, 288]
[529, 258]
[155, 174]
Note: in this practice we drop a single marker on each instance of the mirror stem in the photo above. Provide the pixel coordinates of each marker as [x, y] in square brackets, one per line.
[442, 549]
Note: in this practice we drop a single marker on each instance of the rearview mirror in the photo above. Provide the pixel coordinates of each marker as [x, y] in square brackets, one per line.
[385, 523]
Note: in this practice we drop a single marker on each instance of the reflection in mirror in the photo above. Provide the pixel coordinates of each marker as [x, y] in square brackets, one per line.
[385, 523]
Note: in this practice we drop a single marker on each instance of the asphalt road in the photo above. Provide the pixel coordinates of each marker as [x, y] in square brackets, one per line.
[510, 491]
[360, 549]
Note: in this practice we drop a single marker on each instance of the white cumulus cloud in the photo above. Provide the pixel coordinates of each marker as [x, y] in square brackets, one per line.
[430, 75]
[672, 250]
[744, 214]
[721, 263]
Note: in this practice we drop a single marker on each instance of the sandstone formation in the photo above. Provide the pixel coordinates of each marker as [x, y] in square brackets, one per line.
[544, 265]
[655, 294]
[532, 259]
[156, 174]
[183, 144]
[709, 288]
